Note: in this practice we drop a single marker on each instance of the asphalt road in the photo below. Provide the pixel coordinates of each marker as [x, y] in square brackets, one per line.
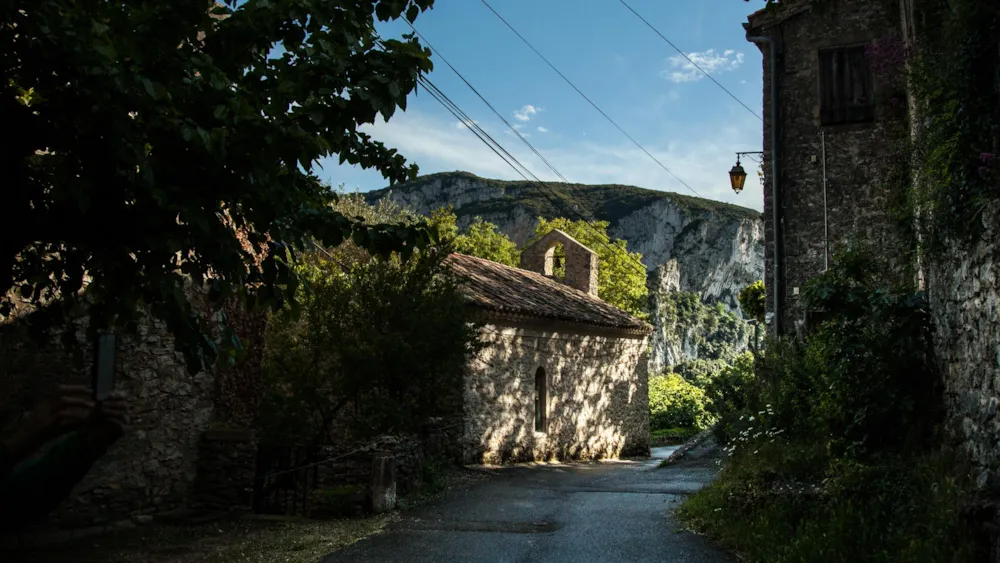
[609, 511]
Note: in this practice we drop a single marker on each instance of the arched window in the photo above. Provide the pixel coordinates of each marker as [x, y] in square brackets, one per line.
[541, 401]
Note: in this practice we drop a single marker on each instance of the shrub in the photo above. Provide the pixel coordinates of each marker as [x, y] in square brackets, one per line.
[673, 403]
[700, 372]
[832, 437]
[379, 346]
[861, 382]
[729, 395]
[752, 301]
[904, 510]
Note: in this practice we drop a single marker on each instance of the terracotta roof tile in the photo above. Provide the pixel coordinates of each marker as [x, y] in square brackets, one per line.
[498, 288]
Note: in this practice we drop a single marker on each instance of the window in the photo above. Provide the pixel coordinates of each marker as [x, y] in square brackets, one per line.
[541, 401]
[845, 85]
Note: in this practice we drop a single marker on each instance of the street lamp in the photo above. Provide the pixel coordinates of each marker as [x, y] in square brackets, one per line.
[737, 175]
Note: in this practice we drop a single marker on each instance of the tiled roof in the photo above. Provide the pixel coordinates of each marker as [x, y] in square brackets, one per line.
[502, 289]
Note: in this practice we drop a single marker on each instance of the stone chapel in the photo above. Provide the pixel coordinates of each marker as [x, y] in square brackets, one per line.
[564, 375]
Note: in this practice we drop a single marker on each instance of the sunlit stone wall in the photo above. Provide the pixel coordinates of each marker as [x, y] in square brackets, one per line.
[597, 395]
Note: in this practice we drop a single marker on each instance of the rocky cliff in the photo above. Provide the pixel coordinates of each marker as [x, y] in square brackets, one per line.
[688, 244]
[718, 247]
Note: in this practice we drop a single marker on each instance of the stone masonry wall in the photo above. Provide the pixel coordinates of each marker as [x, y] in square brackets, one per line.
[964, 294]
[854, 206]
[151, 468]
[598, 402]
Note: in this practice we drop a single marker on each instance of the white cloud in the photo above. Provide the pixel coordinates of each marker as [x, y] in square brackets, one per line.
[700, 156]
[542, 129]
[711, 61]
[465, 124]
[526, 113]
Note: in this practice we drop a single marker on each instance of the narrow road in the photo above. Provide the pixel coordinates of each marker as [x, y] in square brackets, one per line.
[580, 512]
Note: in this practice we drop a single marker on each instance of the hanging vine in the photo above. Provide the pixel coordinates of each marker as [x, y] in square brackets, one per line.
[955, 78]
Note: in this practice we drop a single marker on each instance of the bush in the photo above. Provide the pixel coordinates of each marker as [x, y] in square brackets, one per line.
[832, 438]
[729, 394]
[904, 510]
[379, 346]
[675, 403]
[752, 301]
[862, 382]
[700, 372]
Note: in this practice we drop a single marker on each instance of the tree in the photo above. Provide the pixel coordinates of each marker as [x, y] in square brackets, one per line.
[152, 136]
[380, 346]
[481, 238]
[621, 277]
[753, 301]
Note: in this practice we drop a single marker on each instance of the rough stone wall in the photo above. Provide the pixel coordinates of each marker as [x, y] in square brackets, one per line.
[150, 469]
[598, 401]
[855, 207]
[581, 262]
[964, 294]
[225, 470]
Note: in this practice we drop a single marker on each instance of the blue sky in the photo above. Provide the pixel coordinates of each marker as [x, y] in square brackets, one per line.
[689, 123]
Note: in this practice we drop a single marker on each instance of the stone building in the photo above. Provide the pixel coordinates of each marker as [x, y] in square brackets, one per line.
[564, 374]
[827, 101]
[961, 280]
[188, 445]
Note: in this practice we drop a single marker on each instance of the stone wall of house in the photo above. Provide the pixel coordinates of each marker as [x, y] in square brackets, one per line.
[855, 208]
[964, 293]
[598, 401]
[152, 468]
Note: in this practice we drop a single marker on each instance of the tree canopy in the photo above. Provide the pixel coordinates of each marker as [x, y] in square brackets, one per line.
[753, 301]
[481, 238]
[380, 345]
[153, 142]
[621, 277]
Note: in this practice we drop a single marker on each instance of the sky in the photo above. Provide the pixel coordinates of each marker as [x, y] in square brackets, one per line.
[687, 122]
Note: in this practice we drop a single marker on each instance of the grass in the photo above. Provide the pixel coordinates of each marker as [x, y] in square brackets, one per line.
[249, 541]
[896, 510]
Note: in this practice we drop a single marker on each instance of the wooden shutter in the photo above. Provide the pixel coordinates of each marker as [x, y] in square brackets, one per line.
[845, 86]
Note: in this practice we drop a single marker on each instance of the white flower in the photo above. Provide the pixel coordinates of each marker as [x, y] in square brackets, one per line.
[751, 419]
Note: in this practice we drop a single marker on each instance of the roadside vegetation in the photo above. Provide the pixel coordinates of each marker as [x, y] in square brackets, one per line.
[833, 442]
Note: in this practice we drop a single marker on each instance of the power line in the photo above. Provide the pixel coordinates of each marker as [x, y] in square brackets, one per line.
[512, 161]
[471, 124]
[683, 54]
[489, 105]
[591, 102]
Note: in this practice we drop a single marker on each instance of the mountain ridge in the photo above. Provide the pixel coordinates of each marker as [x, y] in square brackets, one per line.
[718, 247]
[604, 202]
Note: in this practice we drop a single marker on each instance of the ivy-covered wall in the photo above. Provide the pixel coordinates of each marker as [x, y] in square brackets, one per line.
[954, 88]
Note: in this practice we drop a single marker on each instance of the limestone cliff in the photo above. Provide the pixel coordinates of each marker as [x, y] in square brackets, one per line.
[719, 248]
[715, 248]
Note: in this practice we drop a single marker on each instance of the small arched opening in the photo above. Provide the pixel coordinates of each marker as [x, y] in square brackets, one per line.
[555, 262]
[541, 400]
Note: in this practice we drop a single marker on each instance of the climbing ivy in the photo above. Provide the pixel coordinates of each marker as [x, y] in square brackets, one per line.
[955, 78]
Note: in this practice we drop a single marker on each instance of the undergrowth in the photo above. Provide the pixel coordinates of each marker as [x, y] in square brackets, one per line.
[903, 509]
[832, 440]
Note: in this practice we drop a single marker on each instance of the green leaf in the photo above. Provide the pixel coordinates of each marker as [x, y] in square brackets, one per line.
[412, 12]
[107, 51]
